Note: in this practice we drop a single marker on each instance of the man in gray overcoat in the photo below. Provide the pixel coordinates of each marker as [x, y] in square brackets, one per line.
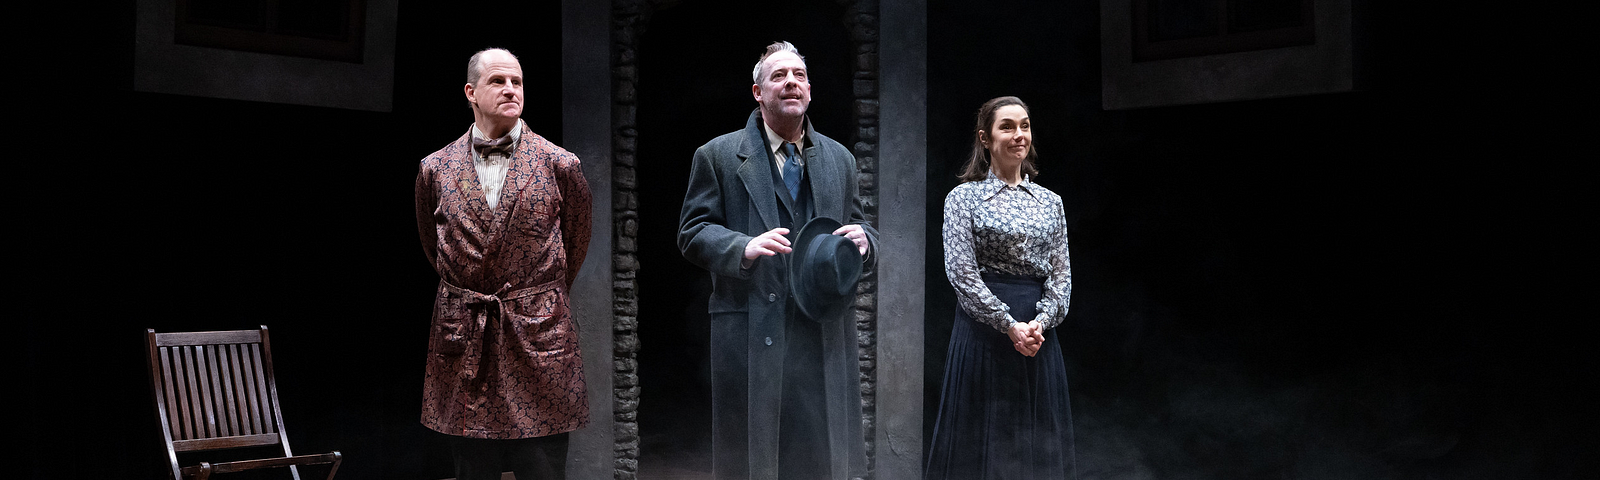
[786, 401]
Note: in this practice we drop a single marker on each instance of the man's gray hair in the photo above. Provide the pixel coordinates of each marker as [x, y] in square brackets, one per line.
[474, 70]
[755, 75]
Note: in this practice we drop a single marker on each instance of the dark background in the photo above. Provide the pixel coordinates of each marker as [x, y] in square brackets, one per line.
[1370, 285]
[213, 214]
[1376, 284]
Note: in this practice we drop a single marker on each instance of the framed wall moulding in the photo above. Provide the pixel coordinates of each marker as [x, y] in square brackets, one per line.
[1179, 52]
[328, 30]
[336, 54]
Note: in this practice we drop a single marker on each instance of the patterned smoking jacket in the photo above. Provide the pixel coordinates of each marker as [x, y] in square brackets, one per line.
[503, 355]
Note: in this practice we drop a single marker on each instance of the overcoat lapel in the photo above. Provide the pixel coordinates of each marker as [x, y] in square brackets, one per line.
[824, 174]
[757, 174]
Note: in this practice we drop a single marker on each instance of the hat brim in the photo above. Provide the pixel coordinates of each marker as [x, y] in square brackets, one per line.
[820, 306]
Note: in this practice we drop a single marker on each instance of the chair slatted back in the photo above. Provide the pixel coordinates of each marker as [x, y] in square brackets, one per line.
[215, 390]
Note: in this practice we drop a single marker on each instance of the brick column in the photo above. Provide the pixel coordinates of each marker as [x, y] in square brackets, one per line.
[862, 18]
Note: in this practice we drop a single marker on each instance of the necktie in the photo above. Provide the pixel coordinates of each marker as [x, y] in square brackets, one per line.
[500, 145]
[791, 170]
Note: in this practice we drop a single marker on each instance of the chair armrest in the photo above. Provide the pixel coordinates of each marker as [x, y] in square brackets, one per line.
[334, 458]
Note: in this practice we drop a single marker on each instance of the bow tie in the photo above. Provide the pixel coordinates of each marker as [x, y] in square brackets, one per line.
[500, 145]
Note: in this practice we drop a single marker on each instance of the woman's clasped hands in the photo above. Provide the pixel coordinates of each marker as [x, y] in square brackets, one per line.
[1027, 337]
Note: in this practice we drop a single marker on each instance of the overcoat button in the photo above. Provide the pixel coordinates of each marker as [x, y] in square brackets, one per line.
[769, 340]
[772, 297]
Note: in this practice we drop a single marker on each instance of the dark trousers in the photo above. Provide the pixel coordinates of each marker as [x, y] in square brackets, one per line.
[538, 458]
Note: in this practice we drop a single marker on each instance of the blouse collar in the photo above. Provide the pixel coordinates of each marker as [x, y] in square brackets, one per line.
[993, 185]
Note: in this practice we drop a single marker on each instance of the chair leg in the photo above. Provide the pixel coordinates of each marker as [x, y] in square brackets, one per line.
[337, 458]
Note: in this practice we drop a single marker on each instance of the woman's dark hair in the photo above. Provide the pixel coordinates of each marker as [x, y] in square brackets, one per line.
[977, 167]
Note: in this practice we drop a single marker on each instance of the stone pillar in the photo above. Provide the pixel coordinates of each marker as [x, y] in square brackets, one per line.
[586, 62]
[903, 207]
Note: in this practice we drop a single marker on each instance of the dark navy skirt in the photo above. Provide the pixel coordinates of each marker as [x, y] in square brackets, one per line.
[1002, 415]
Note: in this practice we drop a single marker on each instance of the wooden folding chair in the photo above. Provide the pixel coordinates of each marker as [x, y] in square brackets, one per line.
[215, 391]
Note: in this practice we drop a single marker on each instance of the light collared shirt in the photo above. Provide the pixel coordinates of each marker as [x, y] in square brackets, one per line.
[492, 169]
[775, 145]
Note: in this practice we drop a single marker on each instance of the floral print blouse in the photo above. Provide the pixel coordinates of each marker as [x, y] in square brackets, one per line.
[990, 227]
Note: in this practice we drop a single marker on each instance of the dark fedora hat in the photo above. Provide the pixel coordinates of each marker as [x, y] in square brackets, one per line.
[823, 270]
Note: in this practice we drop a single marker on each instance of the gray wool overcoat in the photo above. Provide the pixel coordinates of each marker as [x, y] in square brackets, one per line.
[731, 199]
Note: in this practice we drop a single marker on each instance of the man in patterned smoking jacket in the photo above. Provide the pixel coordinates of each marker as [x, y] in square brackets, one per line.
[504, 217]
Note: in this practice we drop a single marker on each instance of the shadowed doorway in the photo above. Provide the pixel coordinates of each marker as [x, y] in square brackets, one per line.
[695, 60]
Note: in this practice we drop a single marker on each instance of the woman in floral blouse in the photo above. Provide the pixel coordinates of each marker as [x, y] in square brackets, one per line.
[1003, 410]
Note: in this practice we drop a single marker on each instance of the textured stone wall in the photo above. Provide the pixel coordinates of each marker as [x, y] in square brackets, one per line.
[862, 18]
[628, 19]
